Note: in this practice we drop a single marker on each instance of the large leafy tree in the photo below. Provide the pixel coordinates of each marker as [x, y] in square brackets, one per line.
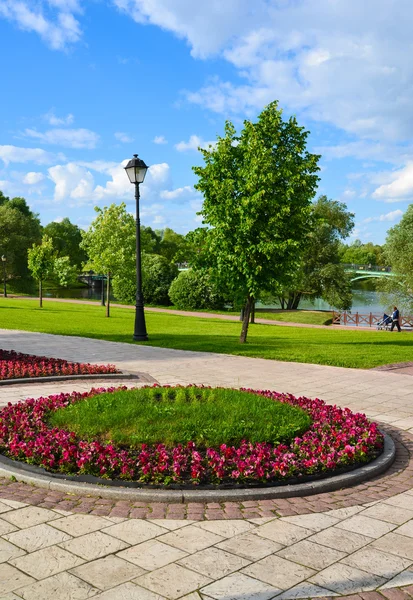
[398, 252]
[41, 261]
[319, 273]
[110, 242]
[257, 189]
[19, 229]
[67, 238]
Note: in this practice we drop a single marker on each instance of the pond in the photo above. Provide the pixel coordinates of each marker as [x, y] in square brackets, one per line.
[365, 297]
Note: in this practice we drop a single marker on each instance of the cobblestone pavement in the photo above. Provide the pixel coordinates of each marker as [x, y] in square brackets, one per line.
[356, 542]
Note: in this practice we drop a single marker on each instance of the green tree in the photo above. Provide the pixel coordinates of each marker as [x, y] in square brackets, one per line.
[41, 259]
[398, 252]
[19, 229]
[257, 189]
[157, 276]
[195, 289]
[64, 271]
[67, 238]
[110, 243]
[319, 273]
[362, 254]
[175, 247]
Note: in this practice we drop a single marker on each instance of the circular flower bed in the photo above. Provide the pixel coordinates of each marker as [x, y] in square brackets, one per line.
[15, 365]
[337, 438]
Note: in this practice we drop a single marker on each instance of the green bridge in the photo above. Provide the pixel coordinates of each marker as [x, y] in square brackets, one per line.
[367, 271]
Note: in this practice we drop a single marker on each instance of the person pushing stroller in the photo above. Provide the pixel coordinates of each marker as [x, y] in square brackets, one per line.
[395, 319]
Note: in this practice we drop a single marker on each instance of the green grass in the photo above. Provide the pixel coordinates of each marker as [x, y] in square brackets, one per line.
[208, 417]
[312, 317]
[344, 348]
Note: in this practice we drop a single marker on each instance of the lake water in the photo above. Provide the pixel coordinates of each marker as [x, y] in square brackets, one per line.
[365, 297]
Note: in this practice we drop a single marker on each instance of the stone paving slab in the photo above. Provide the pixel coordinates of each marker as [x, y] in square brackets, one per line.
[357, 541]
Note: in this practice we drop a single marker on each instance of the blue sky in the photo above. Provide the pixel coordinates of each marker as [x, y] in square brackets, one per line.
[87, 83]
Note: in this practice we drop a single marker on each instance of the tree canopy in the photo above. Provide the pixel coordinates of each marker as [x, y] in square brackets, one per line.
[319, 273]
[19, 229]
[257, 189]
[398, 252]
[66, 239]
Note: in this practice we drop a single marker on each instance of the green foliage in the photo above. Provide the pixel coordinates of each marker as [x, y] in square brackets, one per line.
[398, 251]
[257, 189]
[41, 259]
[110, 240]
[362, 254]
[319, 274]
[195, 289]
[64, 271]
[208, 417]
[157, 276]
[67, 238]
[19, 230]
[174, 246]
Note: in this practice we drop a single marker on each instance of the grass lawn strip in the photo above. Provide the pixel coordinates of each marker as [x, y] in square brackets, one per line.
[343, 348]
[15, 365]
[336, 438]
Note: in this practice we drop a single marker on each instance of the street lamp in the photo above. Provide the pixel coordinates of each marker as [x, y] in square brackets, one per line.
[3, 260]
[136, 171]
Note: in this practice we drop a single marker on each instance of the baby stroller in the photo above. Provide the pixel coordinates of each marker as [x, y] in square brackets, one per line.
[385, 323]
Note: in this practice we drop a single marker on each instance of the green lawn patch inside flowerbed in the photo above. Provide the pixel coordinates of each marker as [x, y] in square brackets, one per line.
[172, 416]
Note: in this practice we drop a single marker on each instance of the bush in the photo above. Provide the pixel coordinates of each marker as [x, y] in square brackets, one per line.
[195, 290]
[157, 275]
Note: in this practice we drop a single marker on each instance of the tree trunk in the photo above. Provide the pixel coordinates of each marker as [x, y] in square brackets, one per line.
[253, 310]
[108, 295]
[297, 298]
[245, 323]
[41, 293]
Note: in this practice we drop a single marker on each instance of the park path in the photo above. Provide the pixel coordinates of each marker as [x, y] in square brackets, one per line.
[344, 543]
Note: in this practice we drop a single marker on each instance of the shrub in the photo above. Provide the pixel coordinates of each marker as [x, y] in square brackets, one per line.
[157, 275]
[194, 290]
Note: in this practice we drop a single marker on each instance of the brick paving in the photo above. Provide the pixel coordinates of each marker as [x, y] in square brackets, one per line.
[355, 543]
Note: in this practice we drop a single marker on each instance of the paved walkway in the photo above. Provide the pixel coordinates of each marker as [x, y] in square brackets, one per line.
[351, 542]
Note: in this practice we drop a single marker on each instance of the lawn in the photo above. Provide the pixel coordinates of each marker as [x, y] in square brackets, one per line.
[346, 348]
[313, 317]
[172, 416]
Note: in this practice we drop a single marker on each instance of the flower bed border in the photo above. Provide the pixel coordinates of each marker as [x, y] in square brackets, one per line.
[37, 476]
[53, 378]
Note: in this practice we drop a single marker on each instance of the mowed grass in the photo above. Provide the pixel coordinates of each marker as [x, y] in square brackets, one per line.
[208, 417]
[311, 317]
[344, 348]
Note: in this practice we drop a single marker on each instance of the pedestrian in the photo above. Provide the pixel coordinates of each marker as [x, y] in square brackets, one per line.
[395, 319]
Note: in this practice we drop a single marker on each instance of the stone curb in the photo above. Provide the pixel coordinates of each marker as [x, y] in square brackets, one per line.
[123, 375]
[373, 469]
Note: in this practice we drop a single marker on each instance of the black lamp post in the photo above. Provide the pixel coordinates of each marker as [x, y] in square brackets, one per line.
[3, 260]
[136, 171]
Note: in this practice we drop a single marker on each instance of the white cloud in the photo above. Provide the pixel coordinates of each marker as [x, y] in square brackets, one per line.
[57, 121]
[160, 139]
[399, 188]
[123, 137]
[58, 220]
[177, 193]
[193, 143]
[159, 220]
[15, 154]
[70, 138]
[390, 216]
[33, 177]
[71, 181]
[349, 68]
[58, 30]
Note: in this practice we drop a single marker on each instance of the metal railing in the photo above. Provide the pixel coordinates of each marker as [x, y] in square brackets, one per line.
[369, 320]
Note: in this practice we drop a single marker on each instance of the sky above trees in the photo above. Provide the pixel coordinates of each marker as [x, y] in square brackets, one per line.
[88, 83]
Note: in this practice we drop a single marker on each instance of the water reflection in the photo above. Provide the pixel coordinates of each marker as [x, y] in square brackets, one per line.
[365, 297]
